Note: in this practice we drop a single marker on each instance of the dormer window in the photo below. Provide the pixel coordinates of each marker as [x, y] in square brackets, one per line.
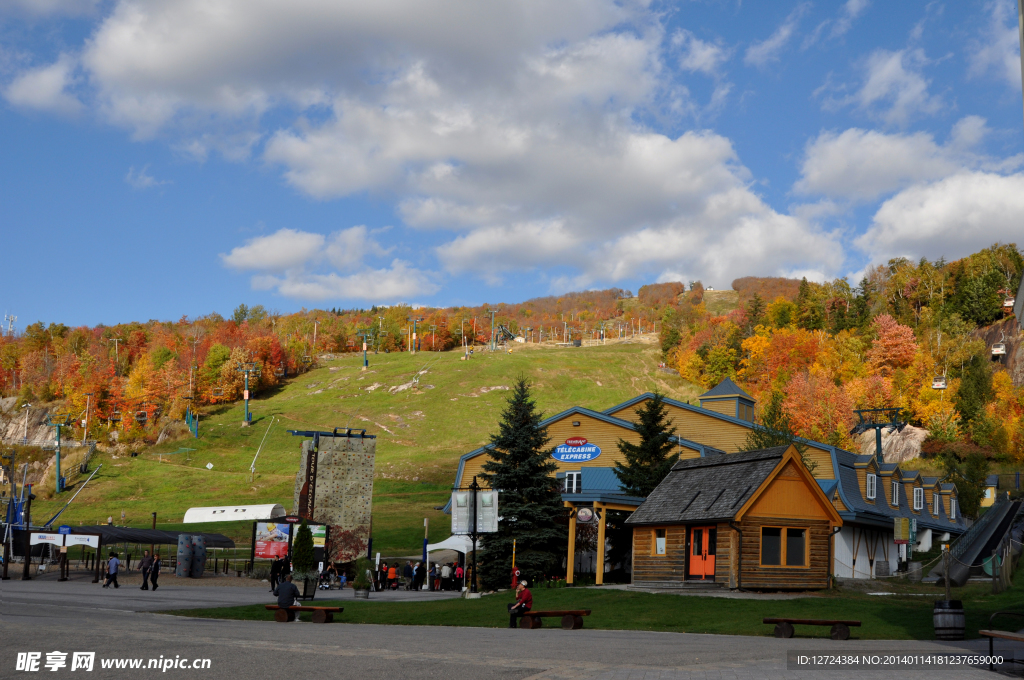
[935, 503]
[918, 498]
[896, 494]
[952, 509]
[870, 487]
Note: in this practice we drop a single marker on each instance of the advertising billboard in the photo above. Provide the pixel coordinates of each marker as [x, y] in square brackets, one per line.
[271, 540]
[576, 450]
[319, 532]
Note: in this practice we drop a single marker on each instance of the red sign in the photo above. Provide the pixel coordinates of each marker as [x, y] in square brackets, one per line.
[576, 441]
[271, 539]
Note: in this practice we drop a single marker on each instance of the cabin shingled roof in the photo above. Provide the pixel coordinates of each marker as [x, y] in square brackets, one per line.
[707, 489]
[726, 388]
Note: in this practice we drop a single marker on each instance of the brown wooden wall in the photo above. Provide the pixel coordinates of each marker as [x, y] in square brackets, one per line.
[697, 427]
[754, 576]
[670, 567]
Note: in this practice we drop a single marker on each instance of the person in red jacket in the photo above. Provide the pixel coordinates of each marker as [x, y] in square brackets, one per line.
[523, 603]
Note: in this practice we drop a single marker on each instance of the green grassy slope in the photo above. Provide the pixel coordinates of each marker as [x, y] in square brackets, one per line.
[422, 431]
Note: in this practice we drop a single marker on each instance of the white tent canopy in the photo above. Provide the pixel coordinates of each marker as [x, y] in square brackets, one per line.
[231, 513]
[461, 544]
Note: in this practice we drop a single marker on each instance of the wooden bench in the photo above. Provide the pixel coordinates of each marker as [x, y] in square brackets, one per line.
[320, 614]
[572, 619]
[840, 629]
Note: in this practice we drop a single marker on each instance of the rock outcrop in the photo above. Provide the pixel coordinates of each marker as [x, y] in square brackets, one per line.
[897, 447]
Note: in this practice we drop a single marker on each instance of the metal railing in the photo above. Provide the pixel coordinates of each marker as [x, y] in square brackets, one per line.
[960, 545]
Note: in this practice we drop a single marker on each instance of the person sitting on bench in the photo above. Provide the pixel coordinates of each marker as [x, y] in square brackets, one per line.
[523, 604]
[286, 593]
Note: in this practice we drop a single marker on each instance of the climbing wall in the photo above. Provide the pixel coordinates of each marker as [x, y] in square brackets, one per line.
[343, 496]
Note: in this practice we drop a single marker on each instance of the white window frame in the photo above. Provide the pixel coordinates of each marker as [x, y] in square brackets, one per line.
[936, 499]
[659, 542]
[869, 486]
[895, 494]
[918, 498]
[952, 509]
[577, 478]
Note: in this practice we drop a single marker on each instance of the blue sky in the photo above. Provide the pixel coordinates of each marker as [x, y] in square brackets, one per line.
[177, 157]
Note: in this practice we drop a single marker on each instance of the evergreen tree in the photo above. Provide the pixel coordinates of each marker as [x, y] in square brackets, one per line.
[775, 429]
[530, 502]
[647, 463]
[755, 310]
[302, 550]
[969, 477]
[975, 389]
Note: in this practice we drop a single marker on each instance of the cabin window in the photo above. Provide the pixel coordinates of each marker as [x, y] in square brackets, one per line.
[896, 493]
[952, 509]
[918, 498]
[870, 486]
[935, 503]
[771, 546]
[659, 541]
[783, 546]
[796, 547]
[572, 483]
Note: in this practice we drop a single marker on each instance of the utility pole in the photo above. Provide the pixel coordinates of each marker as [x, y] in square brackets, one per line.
[58, 422]
[24, 439]
[254, 369]
[10, 324]
[493, 347]
[28, 525]
[117, 357]
[315, 322]
[380, 331]
[85, 428]
[364, 333]
[433, 336]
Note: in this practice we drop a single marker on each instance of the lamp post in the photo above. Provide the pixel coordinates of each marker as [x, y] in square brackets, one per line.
[28, 525]
[433, 336]
[85, 428]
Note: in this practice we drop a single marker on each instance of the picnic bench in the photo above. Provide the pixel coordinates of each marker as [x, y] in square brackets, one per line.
[784, 627]
[992, 634]
[572, 619]
[320, 614]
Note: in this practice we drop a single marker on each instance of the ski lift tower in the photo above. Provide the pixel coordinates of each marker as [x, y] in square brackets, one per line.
[248, 368]
[59, 421]
[878, 419]
[364, 333]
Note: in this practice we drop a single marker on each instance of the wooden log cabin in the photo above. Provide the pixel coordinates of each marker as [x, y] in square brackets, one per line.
[755, 520]
[721, 424]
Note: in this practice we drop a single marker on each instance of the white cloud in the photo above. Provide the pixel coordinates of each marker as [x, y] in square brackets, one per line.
[894, 89]
[949, 218]
[998, 49]
[493, 251]
[762, 53]
[45, 88]
[865, 164]
[300, 264]
[284, 249]
[851, 10]
[141, 179]
[699, 55]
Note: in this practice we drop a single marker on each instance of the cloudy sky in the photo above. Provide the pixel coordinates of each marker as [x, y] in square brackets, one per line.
[170, 157]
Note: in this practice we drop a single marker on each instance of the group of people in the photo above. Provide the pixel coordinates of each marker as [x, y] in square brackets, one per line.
[150, 566]
[279, 569]
[446, 576]
[331, 576]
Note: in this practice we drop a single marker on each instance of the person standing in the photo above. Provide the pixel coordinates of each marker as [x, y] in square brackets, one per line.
[435, 579]
[393, 576]
[459, 573]
[155, 571]
[275, 574]
[407, 574]
[112, 564]
[523, 604]
[446, 577]
[146, 565]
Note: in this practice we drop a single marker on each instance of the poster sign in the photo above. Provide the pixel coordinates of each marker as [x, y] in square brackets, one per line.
[77, 539]
[272, 539]
[487, 512]
[319, 532]
[901, 530]
[576, 450]
[462, 515]
[37, 538]
[307, 494]
[63, 529]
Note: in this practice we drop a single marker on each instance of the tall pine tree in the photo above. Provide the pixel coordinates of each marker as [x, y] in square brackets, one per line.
[530, 502]
[646, 464]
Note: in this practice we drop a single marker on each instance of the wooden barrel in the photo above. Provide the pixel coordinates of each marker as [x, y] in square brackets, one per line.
[949, 620]
[183, 567]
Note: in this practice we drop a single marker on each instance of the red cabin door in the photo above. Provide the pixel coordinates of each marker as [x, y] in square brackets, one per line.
[702, 552]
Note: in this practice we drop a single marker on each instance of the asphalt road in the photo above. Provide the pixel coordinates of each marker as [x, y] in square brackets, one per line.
[39, 616]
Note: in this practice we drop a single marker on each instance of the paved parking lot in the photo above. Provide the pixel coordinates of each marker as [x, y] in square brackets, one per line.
[45, 616]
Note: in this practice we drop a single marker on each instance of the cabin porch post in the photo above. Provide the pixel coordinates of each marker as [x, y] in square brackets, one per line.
[570, 567]
[599, 576]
